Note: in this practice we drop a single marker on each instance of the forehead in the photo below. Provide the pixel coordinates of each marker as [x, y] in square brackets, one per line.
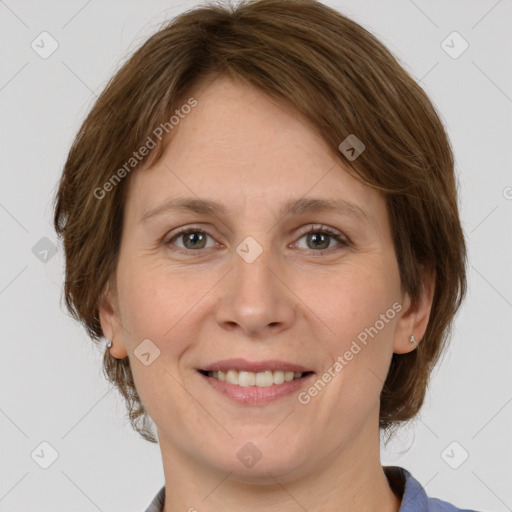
[240, 148]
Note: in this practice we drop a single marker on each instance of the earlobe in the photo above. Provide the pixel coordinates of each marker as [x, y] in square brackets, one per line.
[413, 323]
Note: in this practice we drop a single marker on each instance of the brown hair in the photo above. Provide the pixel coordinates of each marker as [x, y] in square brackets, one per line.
[343, 81]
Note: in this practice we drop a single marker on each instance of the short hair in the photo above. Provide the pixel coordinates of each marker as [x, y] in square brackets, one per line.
[334, 74]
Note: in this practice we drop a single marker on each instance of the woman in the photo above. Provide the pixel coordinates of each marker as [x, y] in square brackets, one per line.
[260, 215]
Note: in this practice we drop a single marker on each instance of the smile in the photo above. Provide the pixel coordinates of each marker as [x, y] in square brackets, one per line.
[255, 389]
[262, 379]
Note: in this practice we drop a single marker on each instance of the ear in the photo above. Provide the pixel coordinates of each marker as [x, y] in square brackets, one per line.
[111, 322]
[414, 319]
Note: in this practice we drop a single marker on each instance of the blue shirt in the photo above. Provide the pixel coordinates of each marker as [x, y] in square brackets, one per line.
[414, 497]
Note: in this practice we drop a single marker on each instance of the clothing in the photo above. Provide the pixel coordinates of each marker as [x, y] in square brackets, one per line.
[157, 505]
[414, 497]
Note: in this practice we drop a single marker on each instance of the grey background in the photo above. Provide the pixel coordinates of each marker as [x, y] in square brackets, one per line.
[50, 377]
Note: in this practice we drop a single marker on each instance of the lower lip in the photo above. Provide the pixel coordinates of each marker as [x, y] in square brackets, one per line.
[256, 395]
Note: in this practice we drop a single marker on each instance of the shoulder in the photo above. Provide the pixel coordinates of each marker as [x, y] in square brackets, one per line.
[414, 497]
[437, 505]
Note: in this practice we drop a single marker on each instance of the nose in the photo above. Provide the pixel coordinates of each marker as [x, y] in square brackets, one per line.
[255, 297]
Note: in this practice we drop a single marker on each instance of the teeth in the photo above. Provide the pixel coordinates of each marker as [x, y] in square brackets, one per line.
[261, 379]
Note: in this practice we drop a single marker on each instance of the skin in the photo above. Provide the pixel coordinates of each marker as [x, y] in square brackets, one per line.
[252, 155]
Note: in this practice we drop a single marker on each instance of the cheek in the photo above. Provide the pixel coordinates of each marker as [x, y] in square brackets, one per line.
[350, 302]
[360, 349]
[151, 306]
[152, 301]
[357, 314]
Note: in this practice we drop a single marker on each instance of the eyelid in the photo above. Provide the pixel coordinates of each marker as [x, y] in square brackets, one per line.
[314, 228]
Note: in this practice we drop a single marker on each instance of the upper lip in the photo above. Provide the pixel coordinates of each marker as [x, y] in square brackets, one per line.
[254, 366]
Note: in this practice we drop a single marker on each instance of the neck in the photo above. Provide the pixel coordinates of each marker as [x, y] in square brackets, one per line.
[349, 479]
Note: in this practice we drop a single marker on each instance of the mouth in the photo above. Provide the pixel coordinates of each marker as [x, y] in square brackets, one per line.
[263, 379]
[255, 388]
[255, 383]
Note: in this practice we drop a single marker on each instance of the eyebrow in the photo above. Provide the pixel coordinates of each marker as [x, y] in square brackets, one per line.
[293, 207]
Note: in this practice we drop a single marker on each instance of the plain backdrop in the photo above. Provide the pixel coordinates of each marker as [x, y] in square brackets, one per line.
[52, 388]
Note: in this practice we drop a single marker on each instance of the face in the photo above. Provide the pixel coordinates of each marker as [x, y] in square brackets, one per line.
[256, 280]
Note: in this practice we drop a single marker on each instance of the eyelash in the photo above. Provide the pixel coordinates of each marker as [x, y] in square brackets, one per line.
[313, 229]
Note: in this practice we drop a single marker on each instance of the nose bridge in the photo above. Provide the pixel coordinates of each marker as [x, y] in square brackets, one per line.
[252, 265]
[254, 296]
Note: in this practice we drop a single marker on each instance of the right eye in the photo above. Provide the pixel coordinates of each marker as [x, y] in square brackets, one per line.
[192, 238]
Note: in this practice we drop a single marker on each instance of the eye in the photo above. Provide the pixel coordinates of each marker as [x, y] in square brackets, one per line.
[192, 238]
[320, 237]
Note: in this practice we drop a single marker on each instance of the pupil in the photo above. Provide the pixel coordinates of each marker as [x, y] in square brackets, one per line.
[316, 235]
[192, 236]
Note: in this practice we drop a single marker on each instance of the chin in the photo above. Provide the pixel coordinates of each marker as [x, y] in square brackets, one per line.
[259, 461]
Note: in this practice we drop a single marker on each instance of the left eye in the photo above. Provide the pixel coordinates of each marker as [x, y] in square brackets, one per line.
[321, 238]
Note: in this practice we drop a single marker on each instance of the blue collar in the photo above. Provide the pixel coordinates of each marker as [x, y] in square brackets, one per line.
[414, 497]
